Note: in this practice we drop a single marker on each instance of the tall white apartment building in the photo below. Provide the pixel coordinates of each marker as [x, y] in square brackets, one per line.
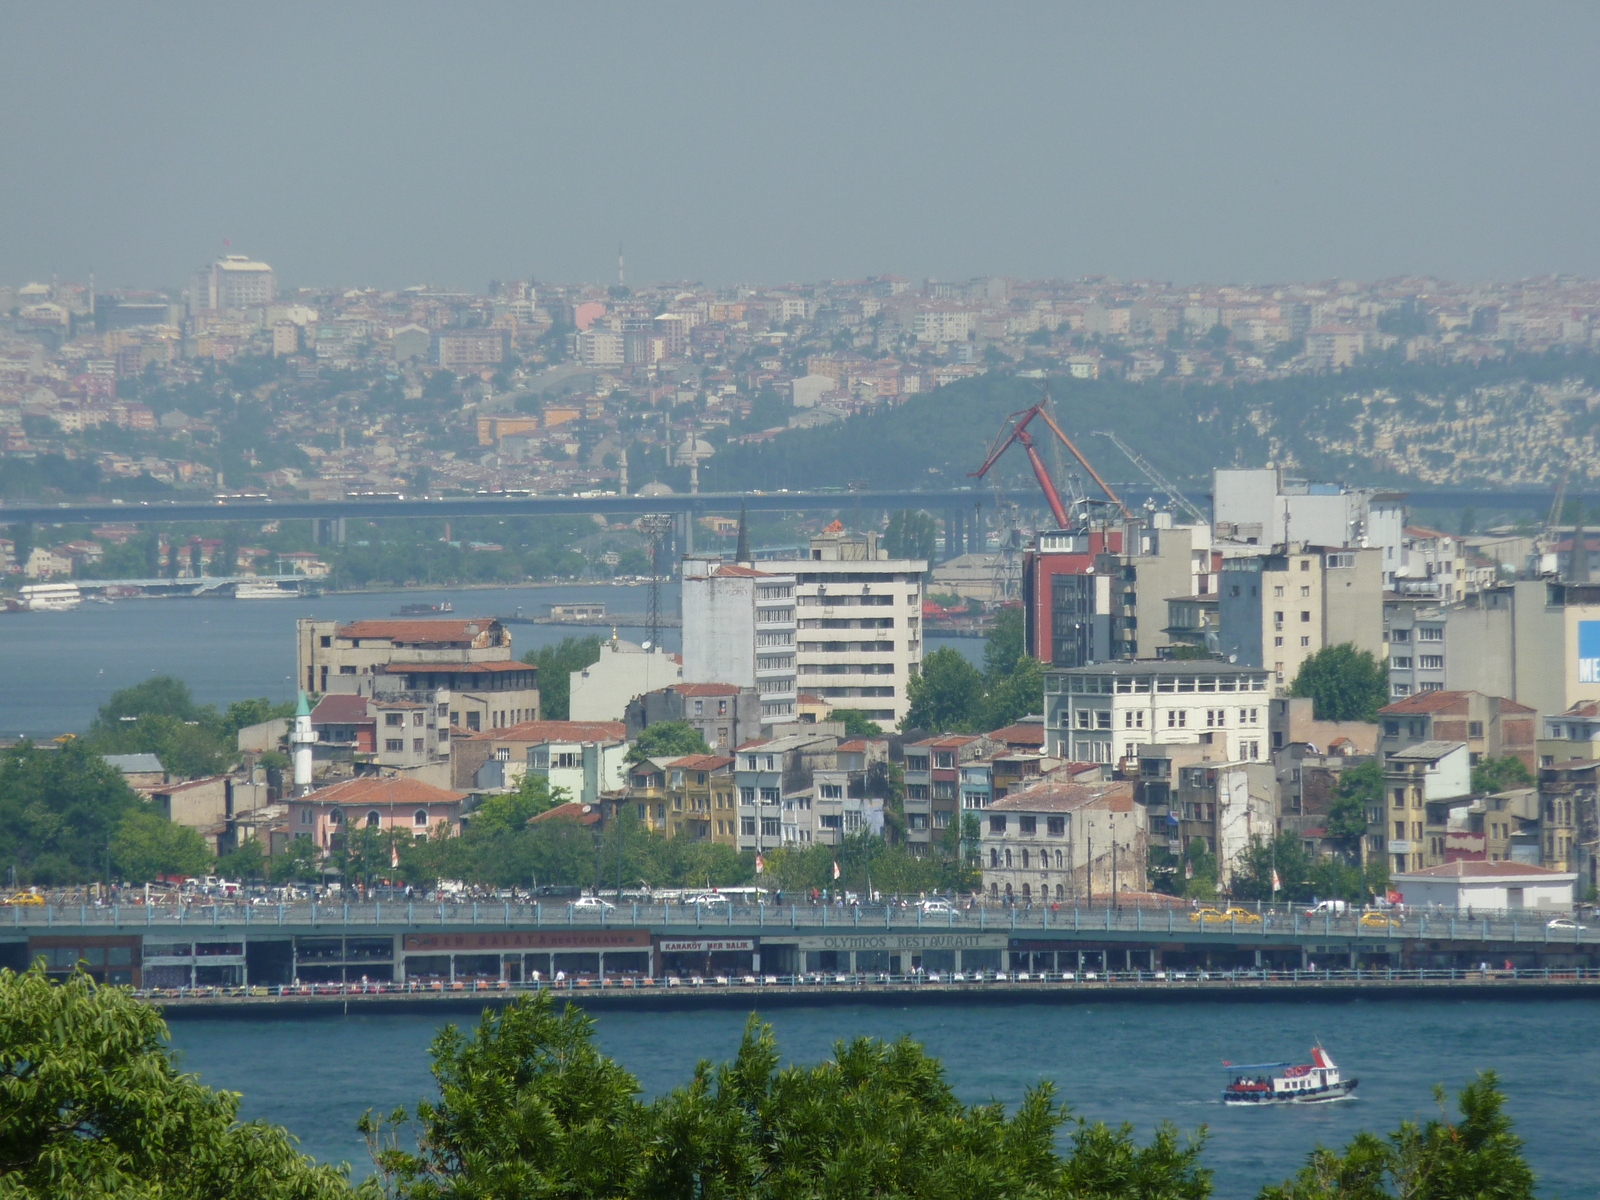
[858, 615]
[739, 628]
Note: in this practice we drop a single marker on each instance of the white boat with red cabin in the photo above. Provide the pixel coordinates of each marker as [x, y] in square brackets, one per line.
[1317, 1082]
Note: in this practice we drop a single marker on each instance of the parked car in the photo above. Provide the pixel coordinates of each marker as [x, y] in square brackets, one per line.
[1210, 916]
[706, 898]
[1336, 908]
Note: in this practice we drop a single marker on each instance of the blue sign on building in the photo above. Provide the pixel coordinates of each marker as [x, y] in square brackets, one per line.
[1589, 651]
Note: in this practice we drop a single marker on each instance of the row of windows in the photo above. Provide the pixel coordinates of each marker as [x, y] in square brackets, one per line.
[1027, 824]
[1040, 859]
[1425, 662]
[373, 821]
[1177, 718]
[1107, 685]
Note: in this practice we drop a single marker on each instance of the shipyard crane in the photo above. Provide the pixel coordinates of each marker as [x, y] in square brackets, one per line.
[1015, 429]
[1156, 477]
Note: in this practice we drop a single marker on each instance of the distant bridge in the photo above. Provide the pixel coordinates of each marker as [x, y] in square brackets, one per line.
[949, 500]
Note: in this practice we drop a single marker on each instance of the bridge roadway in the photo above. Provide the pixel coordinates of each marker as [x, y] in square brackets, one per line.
[693, 504]
[275, 945]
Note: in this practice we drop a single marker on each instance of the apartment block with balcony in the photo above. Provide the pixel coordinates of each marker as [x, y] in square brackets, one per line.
[775, 782]
[1490, 726]
[858, 617]
[694, 795]
[1104, 713]
[933, 784]
[1278, 609]
[739, 628]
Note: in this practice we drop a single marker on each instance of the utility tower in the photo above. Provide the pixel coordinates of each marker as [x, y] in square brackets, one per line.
[655, 527]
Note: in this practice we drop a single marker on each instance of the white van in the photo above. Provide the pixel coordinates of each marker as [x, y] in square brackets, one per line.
[1335, 908]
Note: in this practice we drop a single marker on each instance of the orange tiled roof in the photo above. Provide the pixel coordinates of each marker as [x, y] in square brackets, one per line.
[380, 789]
[455, 629]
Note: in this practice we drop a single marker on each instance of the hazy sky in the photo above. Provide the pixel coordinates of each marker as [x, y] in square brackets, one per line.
[397, 143]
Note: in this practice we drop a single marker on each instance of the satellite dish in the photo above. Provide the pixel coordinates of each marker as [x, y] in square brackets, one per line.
[644, 645]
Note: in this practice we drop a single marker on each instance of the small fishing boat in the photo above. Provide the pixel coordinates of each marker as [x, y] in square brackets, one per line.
[1316, 1082]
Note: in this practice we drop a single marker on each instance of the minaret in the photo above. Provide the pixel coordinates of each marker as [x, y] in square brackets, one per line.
[741, 553]
[301, 740]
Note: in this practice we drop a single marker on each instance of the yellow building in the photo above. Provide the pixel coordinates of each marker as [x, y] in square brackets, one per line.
[693, 795]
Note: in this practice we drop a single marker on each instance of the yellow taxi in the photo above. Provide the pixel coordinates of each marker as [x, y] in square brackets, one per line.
[1241, 914]
[28, 899]
[1374, 920]
[1210, 916]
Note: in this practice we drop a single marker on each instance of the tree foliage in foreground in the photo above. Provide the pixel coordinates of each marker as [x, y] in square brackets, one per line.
[92, 1105]
[528, 1107]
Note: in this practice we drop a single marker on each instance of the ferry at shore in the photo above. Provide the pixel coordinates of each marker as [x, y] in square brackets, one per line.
[423, 610]
[50, 597]
[245, 590]
[1317, 1082]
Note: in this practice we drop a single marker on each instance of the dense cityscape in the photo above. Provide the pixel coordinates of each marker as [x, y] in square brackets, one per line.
[798, 603]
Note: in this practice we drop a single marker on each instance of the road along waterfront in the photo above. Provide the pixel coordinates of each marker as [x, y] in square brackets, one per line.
[1112, 1057]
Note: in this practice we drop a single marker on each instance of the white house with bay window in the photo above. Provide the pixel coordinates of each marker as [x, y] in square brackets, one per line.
[1103, 713]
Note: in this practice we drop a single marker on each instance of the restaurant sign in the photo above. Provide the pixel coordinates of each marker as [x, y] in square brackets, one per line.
[532, 939]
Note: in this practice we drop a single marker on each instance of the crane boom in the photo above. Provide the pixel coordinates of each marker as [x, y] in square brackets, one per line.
[1015, 429]
[1083, 462]
[1156, 477]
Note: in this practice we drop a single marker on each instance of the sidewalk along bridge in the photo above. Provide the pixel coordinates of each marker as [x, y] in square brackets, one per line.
[237, 945]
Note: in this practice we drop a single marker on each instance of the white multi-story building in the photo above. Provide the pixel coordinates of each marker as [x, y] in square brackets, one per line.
[1103, 713]
[739, 628]
[234, 281]
[943, 324]
[858, 617]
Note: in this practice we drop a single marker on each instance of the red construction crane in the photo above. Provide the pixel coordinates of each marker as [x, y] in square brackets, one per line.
[1015, 429]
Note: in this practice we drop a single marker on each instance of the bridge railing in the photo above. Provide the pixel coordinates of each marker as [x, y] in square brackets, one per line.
[956, 980]
[1268, 924]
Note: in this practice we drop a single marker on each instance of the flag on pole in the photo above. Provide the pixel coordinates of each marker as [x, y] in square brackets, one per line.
[836, 868]
[761, 864]
[1188, 868]
[394, 854]
[1275, 884]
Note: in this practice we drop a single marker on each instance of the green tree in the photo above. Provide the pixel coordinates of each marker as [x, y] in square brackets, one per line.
[298, 863]
[1359, 789]
[667, 739]
[58, 811]
[1010, 699]
[1500, 775]
[147, 845]
[1477, 1156]
[556, 664]
[164, 696]
[856, 723]
[1345, 684]
[1253, 870]
[245, 861]
[1004, 645]
[947, 697]
[92, 1104]
[511, 811]
[528, 1107]
[1199, 871]
[911, 534]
